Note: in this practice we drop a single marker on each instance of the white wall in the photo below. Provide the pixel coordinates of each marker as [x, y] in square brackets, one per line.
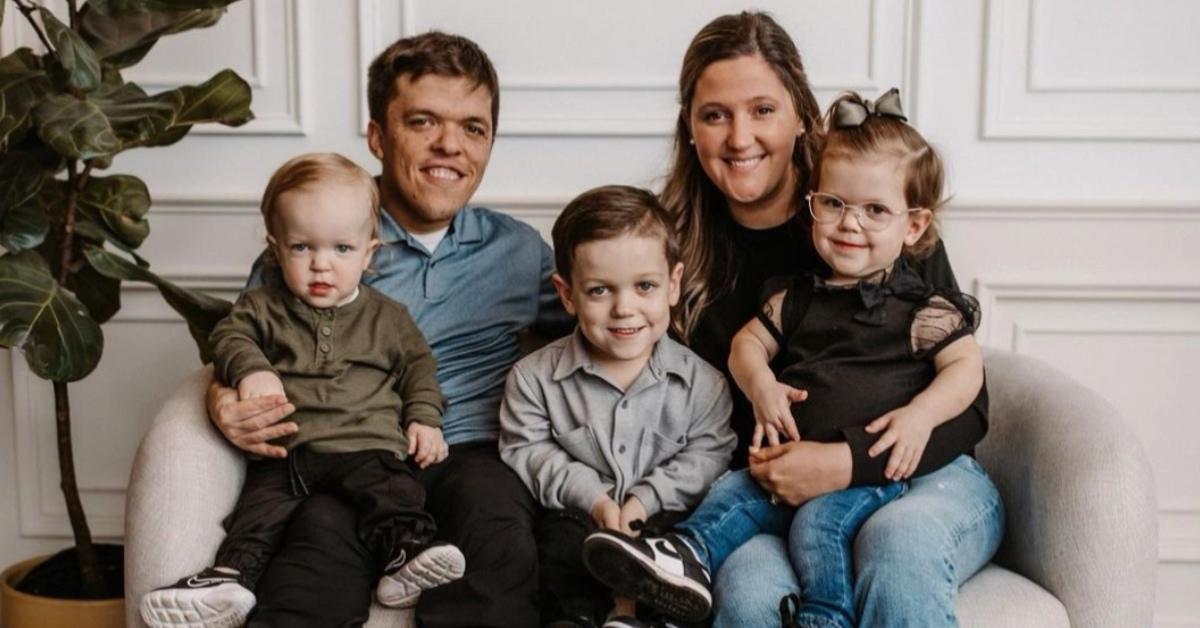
[1070, 128]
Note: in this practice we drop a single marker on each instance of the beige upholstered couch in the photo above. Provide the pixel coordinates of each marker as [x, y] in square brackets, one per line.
[1080, 547]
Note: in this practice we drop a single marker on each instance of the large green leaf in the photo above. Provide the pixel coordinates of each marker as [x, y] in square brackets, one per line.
[117, 7]
[23, 223]
[75, 128]
[135, 117]
[224, 98]
[23, 84]
[119, 203]
[101, 294]
[201, 311]
[76, 56]
[46, 322]
[123, 39]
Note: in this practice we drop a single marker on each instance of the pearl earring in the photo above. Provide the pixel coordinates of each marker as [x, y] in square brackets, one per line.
[692, 141]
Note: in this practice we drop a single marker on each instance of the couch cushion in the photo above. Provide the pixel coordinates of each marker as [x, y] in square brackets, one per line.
[998, 598]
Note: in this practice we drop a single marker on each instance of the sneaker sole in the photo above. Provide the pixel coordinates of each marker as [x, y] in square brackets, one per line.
[433, 567]
[224, 606]
[631, 573]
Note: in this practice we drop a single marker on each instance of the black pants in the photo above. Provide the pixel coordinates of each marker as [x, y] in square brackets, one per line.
[386, 498]
[324, 576]
[566, 590]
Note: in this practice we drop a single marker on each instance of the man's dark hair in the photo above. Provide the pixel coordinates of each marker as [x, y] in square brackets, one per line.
[434, 52]
[608, 212]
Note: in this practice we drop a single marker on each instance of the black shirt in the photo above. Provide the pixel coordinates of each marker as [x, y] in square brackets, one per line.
[761, 254]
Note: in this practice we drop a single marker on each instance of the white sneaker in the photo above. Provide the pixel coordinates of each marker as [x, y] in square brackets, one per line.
[213, 598]
[404, 579]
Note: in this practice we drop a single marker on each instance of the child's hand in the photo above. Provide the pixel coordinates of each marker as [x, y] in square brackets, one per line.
[907, 434]
[260, 384]
[633, 510]
[606, 513]
[426, 445]
[772, 402]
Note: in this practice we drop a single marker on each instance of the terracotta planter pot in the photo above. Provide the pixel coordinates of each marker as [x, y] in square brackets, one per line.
[22, 610]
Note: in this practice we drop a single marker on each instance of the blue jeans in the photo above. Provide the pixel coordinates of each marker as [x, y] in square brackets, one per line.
[909, 557]
[735, 509]
[820, 544]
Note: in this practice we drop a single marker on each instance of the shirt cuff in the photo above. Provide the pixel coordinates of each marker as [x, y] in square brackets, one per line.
[422, 413]
[865, 470]
[649, 498]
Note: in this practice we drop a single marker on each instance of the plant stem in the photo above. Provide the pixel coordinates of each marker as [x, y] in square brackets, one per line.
[93, 584]
[73, 13]
[27, 10]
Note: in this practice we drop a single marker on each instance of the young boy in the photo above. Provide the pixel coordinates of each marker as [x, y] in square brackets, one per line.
[362, 380]
[615, 426]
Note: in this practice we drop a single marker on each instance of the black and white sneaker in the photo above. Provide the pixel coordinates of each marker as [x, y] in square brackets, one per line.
[213, 598]
[405, 577]
[660, 572]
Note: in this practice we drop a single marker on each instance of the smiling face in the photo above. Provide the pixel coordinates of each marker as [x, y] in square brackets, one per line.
[745, 127]
[434, 145]
[621, 289]
[322, 240]
[853, 253]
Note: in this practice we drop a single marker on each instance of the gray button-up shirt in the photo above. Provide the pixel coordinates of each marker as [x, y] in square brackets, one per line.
[572, 435]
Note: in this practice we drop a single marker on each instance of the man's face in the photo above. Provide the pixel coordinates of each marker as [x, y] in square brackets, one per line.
[434, 145]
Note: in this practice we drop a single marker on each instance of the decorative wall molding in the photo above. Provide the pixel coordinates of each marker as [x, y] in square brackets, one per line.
[1020, 103]
[890, 32]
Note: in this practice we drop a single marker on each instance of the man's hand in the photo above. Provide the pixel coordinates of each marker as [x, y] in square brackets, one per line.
[633, 510]
[426, 444]
[606, 513]
[260, 384]
[799, 471]
[250, 424]
[907, 434]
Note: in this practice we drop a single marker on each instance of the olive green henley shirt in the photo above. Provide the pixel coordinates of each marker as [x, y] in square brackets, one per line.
[357, 374]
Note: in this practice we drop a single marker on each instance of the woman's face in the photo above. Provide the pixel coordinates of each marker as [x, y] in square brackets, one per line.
[745, 126]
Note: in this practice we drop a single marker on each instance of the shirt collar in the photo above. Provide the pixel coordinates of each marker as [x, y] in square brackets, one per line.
[466, 227]
[668, 358]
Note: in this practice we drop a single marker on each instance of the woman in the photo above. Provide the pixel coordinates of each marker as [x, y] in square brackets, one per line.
[744, 147]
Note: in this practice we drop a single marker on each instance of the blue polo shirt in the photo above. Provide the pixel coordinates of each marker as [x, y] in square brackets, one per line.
[487, 280]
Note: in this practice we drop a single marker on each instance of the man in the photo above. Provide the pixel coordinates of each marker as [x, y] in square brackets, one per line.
[473, 280]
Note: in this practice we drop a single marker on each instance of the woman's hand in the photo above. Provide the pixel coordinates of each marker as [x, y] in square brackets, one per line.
[799, 471]
[250, 424]
[606, 513]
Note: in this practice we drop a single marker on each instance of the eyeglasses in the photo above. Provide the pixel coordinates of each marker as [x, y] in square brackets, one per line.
[827, 208]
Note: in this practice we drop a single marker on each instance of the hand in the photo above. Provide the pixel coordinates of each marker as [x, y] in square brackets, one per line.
[426, 444]
[260, 384]
[799, 471]
[606, 513]
[772, 402]
[907, 434]
[633, 510]
[250, 424]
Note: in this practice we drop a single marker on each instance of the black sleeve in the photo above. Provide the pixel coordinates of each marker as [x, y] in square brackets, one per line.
[948, 441]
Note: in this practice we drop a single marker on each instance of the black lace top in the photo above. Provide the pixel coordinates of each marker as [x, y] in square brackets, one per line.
[862, 350]
[759, 254]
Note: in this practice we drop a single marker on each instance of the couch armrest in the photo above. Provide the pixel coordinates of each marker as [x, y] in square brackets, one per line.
[1082, 519]
[185, 480]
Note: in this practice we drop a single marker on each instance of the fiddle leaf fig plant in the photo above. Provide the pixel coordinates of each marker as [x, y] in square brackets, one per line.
[69, 234]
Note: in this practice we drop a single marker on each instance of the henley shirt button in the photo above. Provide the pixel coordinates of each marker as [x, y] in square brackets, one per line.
[324, 347]
[326, 331]
[625, 404]
[621, 449]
